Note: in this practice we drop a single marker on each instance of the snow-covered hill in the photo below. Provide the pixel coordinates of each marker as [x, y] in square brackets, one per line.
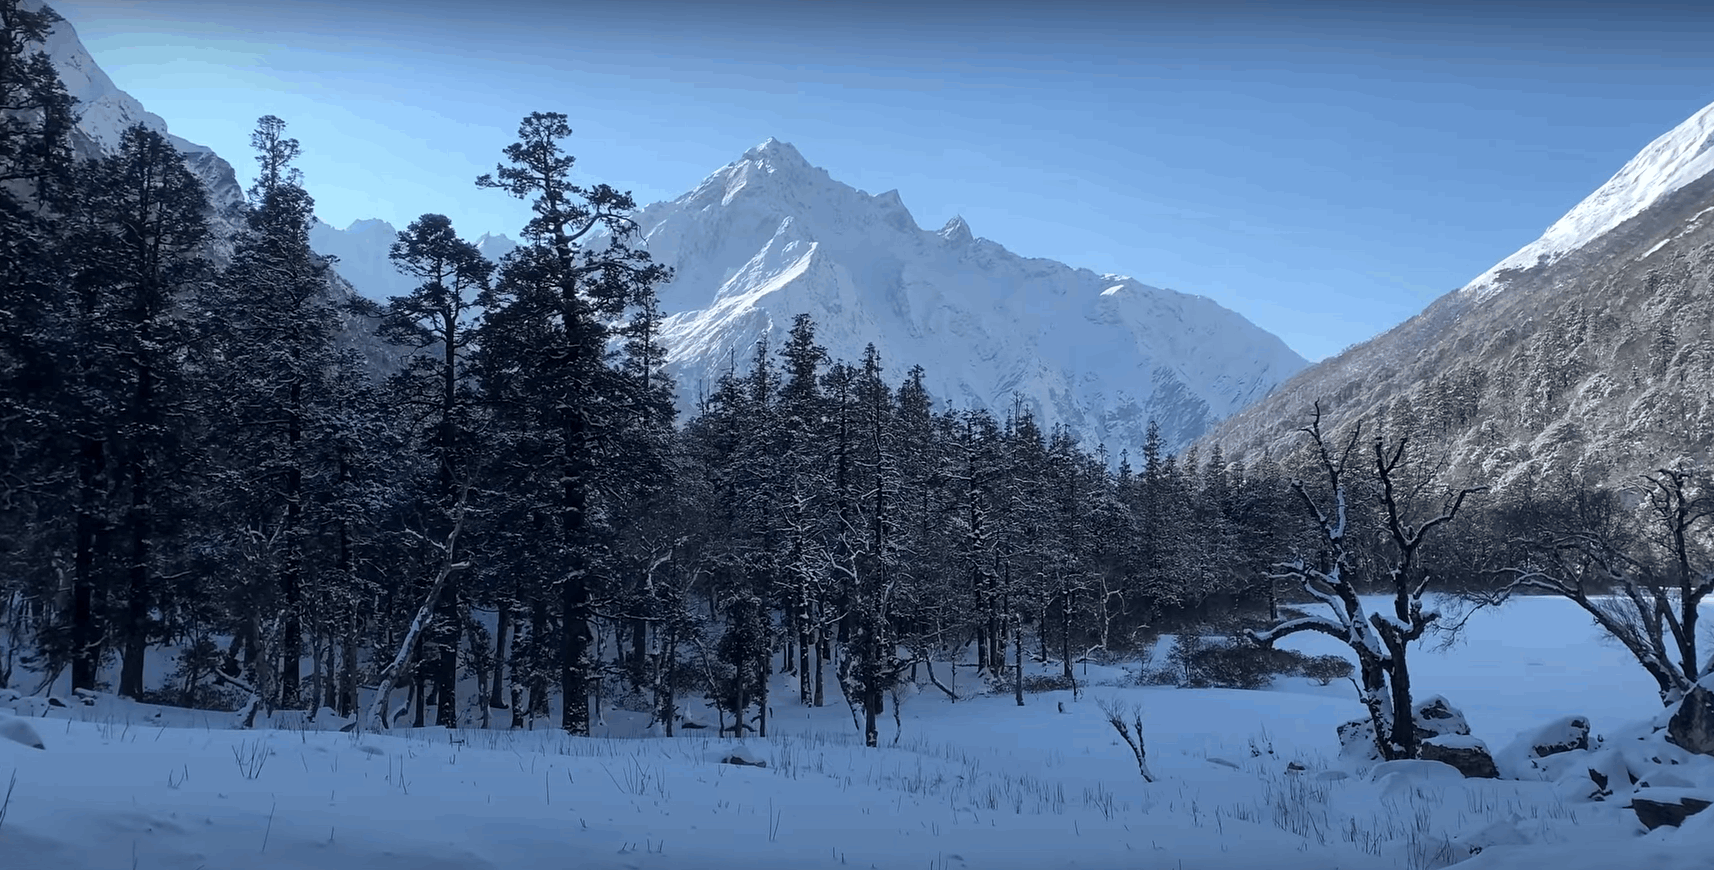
[105, 112]
[1587, 352]
[362, 249]
[1676, 159]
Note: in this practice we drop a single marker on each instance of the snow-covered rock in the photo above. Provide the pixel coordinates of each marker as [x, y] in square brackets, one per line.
[742, 755]
[1436, 717]
[1669, 806]
[1692, 723]
[20, 731]
[1561, 735]
[1468, 754]
[1357, 742]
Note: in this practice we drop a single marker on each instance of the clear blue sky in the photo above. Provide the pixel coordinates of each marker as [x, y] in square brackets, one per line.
[1325, 169]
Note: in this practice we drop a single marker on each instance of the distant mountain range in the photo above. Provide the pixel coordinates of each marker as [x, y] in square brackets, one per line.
[1591, 350]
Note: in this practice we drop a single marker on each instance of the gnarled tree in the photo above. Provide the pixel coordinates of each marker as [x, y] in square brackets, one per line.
[1380, 639]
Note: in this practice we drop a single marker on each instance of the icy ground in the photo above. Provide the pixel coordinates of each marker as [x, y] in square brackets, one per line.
[980, 783]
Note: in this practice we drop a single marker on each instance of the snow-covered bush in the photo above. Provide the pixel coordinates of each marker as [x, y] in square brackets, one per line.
[1200, 662]
[1326, 669]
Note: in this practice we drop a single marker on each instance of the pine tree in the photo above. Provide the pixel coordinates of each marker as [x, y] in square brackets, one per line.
[278, 358]
[550, 321]
[39, 489]
[140, 256]
[435, 387]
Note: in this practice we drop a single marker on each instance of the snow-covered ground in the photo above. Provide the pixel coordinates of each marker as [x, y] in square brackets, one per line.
[980, 783]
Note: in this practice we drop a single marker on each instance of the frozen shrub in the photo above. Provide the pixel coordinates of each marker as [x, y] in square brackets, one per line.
[1047, 683]
[1326, 669]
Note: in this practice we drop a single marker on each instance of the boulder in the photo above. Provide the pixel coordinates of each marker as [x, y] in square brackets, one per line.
[1667, 806]
[21, 732]
[1469, 755]
[1561, 735]
[1357, 741]
[743, 756]
[1610, 772]
[1692, 724]
[1435, 716]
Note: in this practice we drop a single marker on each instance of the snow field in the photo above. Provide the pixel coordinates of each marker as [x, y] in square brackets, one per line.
[980, 783]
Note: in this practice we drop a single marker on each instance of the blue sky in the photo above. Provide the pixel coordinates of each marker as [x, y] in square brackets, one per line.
[1325, 169]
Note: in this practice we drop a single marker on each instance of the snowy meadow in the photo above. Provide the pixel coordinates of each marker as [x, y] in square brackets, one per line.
[1242, 779]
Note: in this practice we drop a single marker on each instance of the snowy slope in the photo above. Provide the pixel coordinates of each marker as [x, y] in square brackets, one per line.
[105, 112]
[1676, 159]
[769, 236]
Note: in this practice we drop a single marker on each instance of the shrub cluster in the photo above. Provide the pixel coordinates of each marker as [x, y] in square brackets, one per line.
[1235, 663]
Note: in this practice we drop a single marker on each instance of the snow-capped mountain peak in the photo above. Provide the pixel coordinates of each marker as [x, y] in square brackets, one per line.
[956, 231]
[1670, 162]
[770, 236]
[776, 154]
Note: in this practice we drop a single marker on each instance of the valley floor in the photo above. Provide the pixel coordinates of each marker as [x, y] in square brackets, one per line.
[980, 783]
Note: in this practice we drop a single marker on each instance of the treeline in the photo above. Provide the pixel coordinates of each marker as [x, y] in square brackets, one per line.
[197, 456]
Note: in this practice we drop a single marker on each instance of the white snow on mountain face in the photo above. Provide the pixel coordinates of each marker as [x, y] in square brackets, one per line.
[1683, 155]
[769, 236]
[104, 110]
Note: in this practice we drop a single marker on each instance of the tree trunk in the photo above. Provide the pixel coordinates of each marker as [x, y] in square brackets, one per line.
[820, 657]
[446, 668]
[136, 635]
[419, 694]
[348, 668]
[85, 635]
[538, 664]
[767, 674]
[1018, 665]
[805, 637]
[495, 699]
[291, 574]
[1404, 717]
[1065, 636]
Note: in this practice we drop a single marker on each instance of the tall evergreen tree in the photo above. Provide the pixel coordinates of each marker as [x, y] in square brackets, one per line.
[140, 255]
[278, 356]
[435, 390]
[556, 301]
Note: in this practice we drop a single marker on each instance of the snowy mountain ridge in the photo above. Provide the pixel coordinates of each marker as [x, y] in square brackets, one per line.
[1589, 358]
[1675, 159]
[770, 235]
